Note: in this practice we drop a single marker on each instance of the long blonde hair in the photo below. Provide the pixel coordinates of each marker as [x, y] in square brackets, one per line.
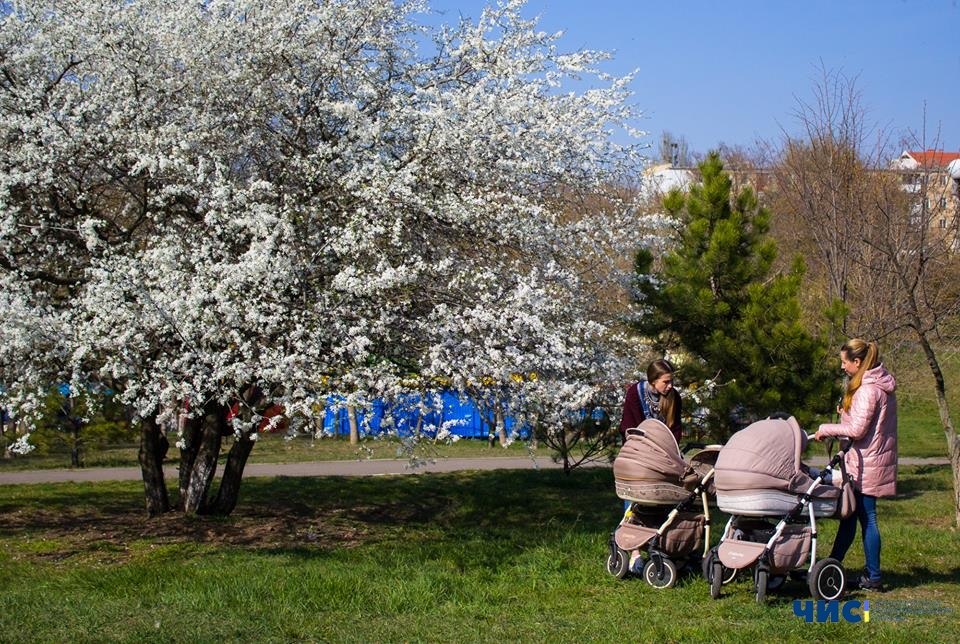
[868, 353]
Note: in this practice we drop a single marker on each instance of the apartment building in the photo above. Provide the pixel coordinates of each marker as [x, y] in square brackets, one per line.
[934, 175]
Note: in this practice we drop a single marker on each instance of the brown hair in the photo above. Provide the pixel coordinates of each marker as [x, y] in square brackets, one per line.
[658, 368]
[868, 353]
[668, 408]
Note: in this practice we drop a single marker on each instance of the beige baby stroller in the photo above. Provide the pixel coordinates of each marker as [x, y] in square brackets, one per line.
[667, 521]
[759, 476]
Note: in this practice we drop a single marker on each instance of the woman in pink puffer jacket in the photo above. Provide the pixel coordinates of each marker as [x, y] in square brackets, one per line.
[868, 417]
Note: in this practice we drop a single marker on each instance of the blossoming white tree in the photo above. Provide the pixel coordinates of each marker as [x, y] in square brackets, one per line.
[233, 203]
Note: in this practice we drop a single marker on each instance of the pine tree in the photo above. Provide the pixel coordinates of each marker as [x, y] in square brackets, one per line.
[714, 300]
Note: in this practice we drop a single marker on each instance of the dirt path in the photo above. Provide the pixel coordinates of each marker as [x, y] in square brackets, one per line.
[373, 467]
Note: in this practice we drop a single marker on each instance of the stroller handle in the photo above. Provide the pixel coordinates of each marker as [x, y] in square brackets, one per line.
[845, 445]
[845, 442]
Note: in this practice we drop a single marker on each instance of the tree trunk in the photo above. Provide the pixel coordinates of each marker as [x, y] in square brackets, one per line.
[72, 426]
[953, 447]
[201, 474]
[953, 441]
[532, 422]
[151, 454]
[75, 443]
[190, 438]
[229, 490]
[417, 430]
[352, 421]
[501, 424]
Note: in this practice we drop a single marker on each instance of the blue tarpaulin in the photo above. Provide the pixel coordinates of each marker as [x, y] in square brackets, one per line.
[460, 417]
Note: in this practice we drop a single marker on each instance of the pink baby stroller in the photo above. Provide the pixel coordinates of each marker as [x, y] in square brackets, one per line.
[759, 476]
[667, 520]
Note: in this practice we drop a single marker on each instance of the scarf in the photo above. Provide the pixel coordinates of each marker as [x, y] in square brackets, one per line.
[650, 401]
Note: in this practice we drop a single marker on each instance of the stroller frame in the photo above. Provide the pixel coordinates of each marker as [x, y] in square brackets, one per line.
[664, 527]
[659, 569]
[825, 577]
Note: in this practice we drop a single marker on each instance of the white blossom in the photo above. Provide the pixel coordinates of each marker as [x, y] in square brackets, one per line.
[314, 198]
[22, 445]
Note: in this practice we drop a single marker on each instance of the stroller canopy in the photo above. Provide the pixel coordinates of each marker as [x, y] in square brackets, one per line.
[650, 453]
[764, 455]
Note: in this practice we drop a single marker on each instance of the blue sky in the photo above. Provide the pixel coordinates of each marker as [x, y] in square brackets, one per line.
[732, 71]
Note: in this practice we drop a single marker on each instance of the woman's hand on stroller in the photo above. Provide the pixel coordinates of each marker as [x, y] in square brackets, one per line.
[822, 436]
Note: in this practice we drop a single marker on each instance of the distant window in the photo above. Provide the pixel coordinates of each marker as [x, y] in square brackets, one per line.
[943, 222]
[916, 215]
[943, 202]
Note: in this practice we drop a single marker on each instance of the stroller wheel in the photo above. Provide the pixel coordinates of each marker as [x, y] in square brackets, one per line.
[761, 586]
[826, 579]
[716, 579]
[728, 574]
[618, 562]
[666, 577]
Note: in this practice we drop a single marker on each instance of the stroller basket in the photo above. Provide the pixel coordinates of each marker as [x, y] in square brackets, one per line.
[789, 551]
[683, 537]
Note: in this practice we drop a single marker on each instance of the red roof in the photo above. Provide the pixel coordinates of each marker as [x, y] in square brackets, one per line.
[934, 158]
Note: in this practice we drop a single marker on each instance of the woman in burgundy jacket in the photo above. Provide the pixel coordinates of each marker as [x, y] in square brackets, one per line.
[654, 397]
[868, 417]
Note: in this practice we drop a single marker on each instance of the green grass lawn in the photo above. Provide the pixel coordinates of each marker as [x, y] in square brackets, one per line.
[466, 557]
